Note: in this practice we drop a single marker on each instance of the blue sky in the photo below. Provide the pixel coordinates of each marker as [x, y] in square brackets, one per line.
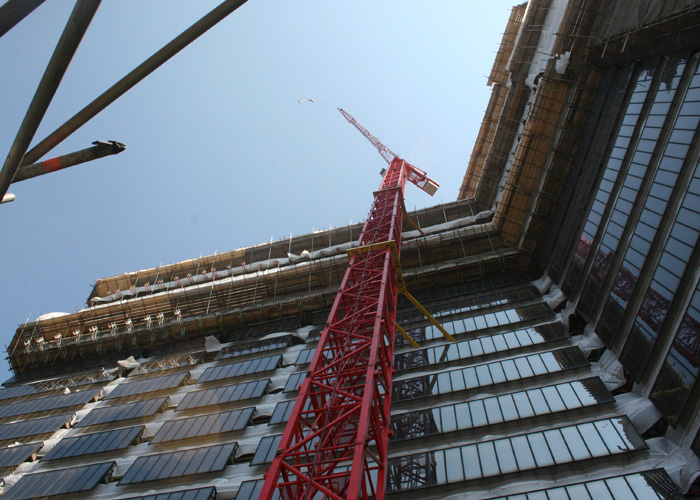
[220, 154]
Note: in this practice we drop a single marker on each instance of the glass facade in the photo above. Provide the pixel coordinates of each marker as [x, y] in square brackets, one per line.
[559, 446]
[679, 374]
[655, 205]
[610, 173]
[633, 180]
[664, 283]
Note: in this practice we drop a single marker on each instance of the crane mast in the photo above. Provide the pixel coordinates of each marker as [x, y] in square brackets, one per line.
[335, 442]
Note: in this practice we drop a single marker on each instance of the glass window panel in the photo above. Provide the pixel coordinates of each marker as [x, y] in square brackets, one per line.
[523, 367]
[469, 325]
[511, 372]
[470, 378]
[523, 405]
[506, 457]
[523, 454]
[584, 393]
[559, 494]
[440, 470]
[497, 373]
[553, 399]
[478, 413]
[480, 322]
[457, 379]
[557, 446]
[484, 375]
[619, 488]
[500, 343]
[508, 409]
[502, 318]
[611, 437]
[493, 411]
[447, 417]
[529, 337]
[443, 382]
[470, 458]
[538, 402]
[487, 457]
[593, 440]
[491, 320]
[537, 364]
[551, 362]
[464, 419]
[487, 345]
[641, 486]
[540, 449]
[513, 315]
[455, 467]
[598, 490]
[477, 347]
[568, 396]
[464, 350]
[577, 447]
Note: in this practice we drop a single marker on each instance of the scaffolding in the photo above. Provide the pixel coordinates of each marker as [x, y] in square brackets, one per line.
[533, 125]
[134, 314]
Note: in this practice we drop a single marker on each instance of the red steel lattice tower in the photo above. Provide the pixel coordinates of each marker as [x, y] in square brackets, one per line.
[335, 443]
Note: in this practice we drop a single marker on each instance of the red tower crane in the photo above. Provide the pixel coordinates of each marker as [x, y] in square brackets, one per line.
[335, 442]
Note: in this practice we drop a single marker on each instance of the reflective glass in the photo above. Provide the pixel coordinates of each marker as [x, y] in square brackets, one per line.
[658, 296]
[610, 173]
[488, 459]
[455, 468]
[593, 441]
[470, 456]
[540, 450]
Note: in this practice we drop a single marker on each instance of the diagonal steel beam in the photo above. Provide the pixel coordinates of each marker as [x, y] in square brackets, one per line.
[99, 150]
[134, 77]
[76, 26]
[13, 11]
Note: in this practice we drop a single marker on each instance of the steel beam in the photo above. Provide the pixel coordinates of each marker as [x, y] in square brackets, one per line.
[13, 11]
[99, 150]
[134, 77]
[76, 26]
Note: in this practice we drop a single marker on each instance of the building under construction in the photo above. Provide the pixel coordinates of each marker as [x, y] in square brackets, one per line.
[565, 277]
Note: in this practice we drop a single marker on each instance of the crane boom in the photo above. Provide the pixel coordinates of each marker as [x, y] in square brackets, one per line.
[384, 151]
[414, 174]
[335, 443]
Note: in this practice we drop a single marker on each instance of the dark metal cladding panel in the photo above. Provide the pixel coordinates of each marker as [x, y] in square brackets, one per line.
[250, 490]
[48, 403]
[257, 346]
[11, 457]
[148, 385]
[294, 382]
[97, 442]
[204, 425]
[208, 493]
[33, 427]
[242, 368]
[226, 394]
[266, 450]
[138, 409]
[16, 392]
[59, 482]
[305, 356]
[179, 463]
[282, 412]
